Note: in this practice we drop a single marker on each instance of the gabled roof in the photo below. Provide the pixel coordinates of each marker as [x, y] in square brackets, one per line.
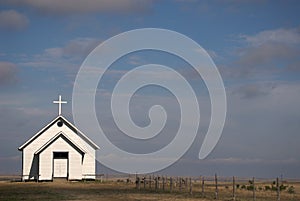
[71, 126]
[66, 138]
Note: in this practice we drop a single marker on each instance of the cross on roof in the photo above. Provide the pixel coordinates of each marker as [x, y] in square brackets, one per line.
[59, 102]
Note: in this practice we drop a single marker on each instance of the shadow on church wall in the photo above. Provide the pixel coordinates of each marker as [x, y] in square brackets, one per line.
[34, 168]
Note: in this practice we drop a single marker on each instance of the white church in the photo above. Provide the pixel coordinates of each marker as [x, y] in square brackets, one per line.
[58, 150]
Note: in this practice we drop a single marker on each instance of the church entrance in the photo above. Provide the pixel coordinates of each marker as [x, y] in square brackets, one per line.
[60, 164]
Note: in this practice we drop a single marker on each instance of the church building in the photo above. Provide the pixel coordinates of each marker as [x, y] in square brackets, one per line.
[58, 150]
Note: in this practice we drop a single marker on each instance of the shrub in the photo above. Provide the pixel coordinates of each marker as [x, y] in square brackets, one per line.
[291, 190]
[267, 188]
[282, 187]
[250, 188]
[274, 188]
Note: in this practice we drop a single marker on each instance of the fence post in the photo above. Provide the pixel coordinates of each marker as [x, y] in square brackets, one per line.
[191, 187]
[171, 184]
[180, 183]
[253, 184]
[156, 183]
[144, 178]
[202, 187]
[150, 181]
[233, 188]
[138, 183]
[278, 189]
[186, 184]
[216, 191]
[163, 183]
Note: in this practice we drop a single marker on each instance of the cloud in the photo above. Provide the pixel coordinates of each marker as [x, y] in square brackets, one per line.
[79, 47]
[13, 20]
[65, 57]
[253, 90]
[267, 53]
[84, 6]
[8, 73]
[284, 36]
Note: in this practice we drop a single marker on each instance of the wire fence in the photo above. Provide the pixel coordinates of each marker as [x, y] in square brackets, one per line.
[208, 187]
[219, 188]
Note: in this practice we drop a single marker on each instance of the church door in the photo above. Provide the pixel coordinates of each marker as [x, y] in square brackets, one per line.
[60, 164]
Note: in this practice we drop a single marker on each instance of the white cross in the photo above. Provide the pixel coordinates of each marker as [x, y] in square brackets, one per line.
[59, 102]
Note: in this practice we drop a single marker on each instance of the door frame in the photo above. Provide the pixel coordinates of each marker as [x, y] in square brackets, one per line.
[65, 152]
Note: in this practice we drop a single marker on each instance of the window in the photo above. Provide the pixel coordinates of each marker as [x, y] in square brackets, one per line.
[60, 155]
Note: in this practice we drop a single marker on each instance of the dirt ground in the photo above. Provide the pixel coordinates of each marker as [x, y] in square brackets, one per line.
[115, 191]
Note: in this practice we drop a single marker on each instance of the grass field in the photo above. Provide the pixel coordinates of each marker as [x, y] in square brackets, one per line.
[113, 191]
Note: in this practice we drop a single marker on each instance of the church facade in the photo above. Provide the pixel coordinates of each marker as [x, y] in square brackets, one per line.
[59, 150]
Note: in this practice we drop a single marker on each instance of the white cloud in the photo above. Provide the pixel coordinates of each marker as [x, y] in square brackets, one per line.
[8, 72]
[67, 56]
[13, 20]
[268, 53]
[80, 46]
[286, 36]
[270, 45]
[249, 91]
[84, 6]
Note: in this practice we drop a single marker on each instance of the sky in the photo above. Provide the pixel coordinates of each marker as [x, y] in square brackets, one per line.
[255, 45]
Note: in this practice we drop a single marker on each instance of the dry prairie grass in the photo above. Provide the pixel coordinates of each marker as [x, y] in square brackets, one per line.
[116, 191]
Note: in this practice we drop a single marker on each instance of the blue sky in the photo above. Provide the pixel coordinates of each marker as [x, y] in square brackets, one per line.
[255, 45]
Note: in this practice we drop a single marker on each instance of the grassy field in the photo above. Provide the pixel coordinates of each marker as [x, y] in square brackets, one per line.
[114, 191]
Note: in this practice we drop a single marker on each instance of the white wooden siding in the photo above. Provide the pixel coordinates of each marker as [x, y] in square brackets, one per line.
[77, 168]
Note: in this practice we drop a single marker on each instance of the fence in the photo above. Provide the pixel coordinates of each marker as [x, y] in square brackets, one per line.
[209, 187]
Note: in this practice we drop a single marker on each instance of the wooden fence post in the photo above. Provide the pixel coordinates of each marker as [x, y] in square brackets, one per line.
[171, 184]
[138, 182]
[150, 181]
[253, 184]
[191, 187]
[233, 188]
[202, 187]
[180, 184]
[156, 183]
[278, 189]
[216, 191]
[144, 178]
[186, 184]
[163, 183]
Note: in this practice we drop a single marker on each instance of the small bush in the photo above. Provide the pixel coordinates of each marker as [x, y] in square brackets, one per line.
[282, 187]
[237, 186]
[291, 190]
[267, 188]
[274, 188]
[250, 188]
[243, 187]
